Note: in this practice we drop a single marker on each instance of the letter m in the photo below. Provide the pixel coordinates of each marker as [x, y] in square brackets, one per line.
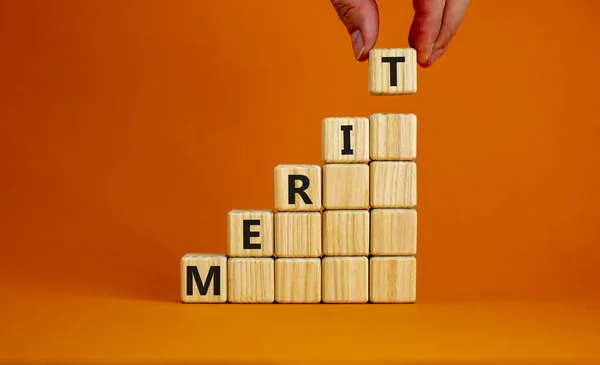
[192, 275]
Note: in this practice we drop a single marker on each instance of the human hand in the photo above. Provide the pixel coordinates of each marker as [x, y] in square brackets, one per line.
[434, 25]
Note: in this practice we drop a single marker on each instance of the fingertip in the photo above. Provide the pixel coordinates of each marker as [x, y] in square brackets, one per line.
[436, 55]
[370, 32]
[364, 55]
[358, 44]
[423, 53]
[423, 58]
[361, 18]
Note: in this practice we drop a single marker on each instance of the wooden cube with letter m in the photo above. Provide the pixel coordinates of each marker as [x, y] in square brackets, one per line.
[204, 278]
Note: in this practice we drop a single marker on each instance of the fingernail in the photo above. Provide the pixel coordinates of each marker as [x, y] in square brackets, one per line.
[358, 44]
[426, 56]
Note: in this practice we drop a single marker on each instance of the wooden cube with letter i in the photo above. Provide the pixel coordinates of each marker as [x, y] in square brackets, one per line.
[345, 140]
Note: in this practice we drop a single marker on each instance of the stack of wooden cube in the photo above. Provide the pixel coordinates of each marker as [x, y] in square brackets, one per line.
[346, 233]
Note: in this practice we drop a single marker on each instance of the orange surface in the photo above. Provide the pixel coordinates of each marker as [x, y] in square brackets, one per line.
[128, 129]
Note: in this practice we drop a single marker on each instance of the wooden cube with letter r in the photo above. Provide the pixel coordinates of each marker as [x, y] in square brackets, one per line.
[298, 188]
[204, 278]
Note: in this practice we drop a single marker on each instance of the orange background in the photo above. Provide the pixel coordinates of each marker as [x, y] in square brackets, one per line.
[128, 130]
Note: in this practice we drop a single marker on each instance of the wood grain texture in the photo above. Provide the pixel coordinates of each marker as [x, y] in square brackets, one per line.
[393, 232]
[284, 201]
[393, 184]
[346, 186]
[332, 139]
[235, 233]
[212, 272]
[251, 280]
[346, 232]
[345, 279]
[393, 137]
[298, 280]
[393, 280]
[380, 75]
[298, 234]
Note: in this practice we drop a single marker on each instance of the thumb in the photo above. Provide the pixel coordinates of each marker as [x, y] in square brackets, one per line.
[361, 18]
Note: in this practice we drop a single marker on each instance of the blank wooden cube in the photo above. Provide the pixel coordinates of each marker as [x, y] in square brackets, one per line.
[393, 232]
[298, 280]
[298, 188]
[393, 184]
[250, 233]
[345, 140]
[346, 232]
[345, 279]
[392, 71]
[298, 234]
[393, 280]
[204, 278]
[346, 186]
[393, 137]
[251, 280]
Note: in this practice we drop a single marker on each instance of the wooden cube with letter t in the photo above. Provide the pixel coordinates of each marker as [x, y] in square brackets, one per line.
[250, 233]
[392, 71]
[298, 188]
[204, 278]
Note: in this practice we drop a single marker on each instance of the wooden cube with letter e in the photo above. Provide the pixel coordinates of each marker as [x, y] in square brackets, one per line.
[250, 233]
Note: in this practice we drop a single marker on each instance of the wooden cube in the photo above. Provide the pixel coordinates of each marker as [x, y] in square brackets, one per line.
[298, 234]
[250, 233]
[204, 278]
[393, 184]
[346, 186]
[345, 140]
[346, 232]
[393, 232]
[345, 279]
[393, 137]
[298, 188]
[251, 280]
[298, 280]
[392, 71]
[393, 280]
